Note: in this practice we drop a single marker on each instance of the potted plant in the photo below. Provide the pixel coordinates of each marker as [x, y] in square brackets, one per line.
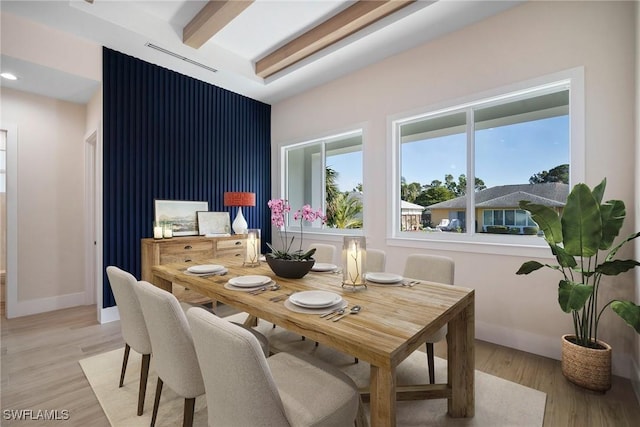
[581, 239]
[286, 262]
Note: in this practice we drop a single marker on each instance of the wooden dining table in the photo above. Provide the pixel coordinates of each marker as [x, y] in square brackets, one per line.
[394, 322]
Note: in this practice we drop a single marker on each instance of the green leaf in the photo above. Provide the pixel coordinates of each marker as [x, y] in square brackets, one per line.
[598, 191]
[529, 266]
[629, 312]
[581, 223]
[612, 213]
[613, 251]
[564, 259]
[573, 296]
[615, 267]
[547, 219]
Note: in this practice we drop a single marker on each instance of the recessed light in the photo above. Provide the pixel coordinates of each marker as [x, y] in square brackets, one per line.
[8, 76]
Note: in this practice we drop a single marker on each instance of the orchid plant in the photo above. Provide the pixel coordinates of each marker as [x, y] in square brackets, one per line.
[279, 208]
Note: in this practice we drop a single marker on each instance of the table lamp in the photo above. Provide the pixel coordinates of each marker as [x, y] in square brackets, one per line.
[239, 199]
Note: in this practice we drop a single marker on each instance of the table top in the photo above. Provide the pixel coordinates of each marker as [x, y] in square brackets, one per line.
[394, 320]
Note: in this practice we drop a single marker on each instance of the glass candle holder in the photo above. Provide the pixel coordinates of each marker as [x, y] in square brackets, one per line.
[252, 254]
[157, 230]
[167, 230]
[354, 260]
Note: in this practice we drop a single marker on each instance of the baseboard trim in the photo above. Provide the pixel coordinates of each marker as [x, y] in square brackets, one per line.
[542, 345]
[43, 305]
[109, 314]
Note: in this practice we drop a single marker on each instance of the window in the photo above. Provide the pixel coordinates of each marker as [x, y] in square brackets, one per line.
[469, 165]
[327, 174]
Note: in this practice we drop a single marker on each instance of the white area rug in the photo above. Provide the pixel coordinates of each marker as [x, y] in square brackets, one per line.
[499, 403]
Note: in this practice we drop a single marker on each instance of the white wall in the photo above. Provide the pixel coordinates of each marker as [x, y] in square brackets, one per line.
[526, 42]
[50, 168]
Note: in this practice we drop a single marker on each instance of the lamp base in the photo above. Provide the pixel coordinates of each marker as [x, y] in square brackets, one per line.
[239, 223]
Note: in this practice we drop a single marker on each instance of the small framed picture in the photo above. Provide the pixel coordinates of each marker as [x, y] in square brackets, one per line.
[213, 223]
[181, 213]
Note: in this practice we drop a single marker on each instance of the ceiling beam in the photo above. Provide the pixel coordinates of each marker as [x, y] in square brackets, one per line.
[211, 19]
[356, 17]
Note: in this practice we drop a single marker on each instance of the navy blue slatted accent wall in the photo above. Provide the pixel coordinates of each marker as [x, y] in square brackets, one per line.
[169, 136]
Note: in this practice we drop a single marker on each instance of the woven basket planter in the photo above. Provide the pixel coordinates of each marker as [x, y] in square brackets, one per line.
[587, 367]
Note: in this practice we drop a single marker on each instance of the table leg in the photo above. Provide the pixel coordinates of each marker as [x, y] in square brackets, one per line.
[383, 397]
[461, 362]
[163, 284]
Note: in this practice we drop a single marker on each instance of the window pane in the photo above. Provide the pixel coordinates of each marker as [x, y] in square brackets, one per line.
[304, 177]
[433, 171]
[522, 152]
[344, 181]
[327, 174]
[488, 217]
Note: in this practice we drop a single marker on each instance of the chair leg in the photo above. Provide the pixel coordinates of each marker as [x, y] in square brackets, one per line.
[430, 362]
[156, 403]
[189, 407]
[356, 360]
[125, 359]
[144, 374]
[361, 416]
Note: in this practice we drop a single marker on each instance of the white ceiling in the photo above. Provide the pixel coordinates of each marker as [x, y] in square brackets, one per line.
[127, 26]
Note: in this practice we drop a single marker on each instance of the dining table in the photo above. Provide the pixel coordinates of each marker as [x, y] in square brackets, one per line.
[394, 321]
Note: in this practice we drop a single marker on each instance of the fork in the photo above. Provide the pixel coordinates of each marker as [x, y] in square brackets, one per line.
[410, 284]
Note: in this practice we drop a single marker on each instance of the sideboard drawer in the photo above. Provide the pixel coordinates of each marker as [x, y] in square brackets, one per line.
[184, 257]
[184, 248]
[225, 245]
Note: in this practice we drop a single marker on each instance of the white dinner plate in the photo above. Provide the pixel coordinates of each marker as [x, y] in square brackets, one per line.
[383, 277]
[315, 299]
[323, 266]
[205, 268]
[249, 281]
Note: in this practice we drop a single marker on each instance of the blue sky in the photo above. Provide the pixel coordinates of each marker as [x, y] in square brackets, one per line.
[504, 155]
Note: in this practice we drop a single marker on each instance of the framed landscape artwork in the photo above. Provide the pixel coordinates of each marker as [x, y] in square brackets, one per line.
[181, 213]
[213, 223]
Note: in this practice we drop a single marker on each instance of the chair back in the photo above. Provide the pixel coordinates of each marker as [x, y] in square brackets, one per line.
[324, 253]
[432, 268]
[174, 356]
[240, 389]
[376, 260]
[134, 329]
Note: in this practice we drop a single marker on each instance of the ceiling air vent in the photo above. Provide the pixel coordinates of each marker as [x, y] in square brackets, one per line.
[175, 55]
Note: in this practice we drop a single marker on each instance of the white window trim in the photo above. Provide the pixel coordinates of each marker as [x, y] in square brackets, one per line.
[529, 246]
[323, 233]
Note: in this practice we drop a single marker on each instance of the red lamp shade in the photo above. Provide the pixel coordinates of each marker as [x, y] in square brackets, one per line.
[237, 198]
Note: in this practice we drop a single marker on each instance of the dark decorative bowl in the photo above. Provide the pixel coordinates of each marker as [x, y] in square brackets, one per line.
[289, 268]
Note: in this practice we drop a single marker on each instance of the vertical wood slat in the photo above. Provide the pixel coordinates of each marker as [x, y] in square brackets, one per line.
[169, 136]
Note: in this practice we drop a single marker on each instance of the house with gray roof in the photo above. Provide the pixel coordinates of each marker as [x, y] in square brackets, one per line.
[497, 208]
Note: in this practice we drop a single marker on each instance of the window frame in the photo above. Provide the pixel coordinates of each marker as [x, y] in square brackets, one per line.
[482, 242]
[326, 138]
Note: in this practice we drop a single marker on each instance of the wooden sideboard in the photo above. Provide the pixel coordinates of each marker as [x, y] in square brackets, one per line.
[188, 249]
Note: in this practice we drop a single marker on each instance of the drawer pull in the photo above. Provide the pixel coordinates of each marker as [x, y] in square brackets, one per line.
[238, 243]
[187, 260]
[238, 255]
[188, 247]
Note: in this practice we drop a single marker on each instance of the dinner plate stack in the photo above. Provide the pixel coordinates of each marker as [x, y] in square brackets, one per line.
[324, 267]
[383, 278]
[320, 300]
[248, 283]
[206, 269]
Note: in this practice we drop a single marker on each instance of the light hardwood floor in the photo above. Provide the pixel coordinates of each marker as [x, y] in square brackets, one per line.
[40, 370]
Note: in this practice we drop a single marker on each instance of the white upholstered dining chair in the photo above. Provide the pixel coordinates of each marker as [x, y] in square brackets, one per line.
[376, 260]
[431, 268]
[244, 388]
[324, 253]
[132, 325]
[174, 356]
